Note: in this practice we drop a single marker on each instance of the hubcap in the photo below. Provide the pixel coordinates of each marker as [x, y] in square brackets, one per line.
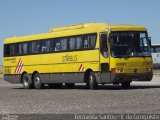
[26, 81]
[91, 78]
[37, 81]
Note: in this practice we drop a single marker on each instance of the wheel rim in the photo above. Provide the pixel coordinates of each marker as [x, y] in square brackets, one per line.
[91, 80]
[37, 81]
[25, 81]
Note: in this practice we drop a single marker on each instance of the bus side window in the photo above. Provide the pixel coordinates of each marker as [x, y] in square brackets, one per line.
[63, 44]
[20, 49]
[35, 47]
[23, 48]
[6, 50]
[79, 42]
[72, 43]
[38, 46]
[93, 41]
[103, 45]
[45, 46]
[12, 50]
[52, 45]
[86, 42]
[57, 45]
[90, 41]
[75, 43]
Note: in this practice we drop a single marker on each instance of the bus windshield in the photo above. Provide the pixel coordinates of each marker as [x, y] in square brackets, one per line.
[128, 44]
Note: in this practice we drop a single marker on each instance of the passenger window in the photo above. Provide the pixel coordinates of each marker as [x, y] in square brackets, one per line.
[23, 48]
[63, 44]
[72, 43]
[86, 41]
[75, 42]
[35, 47]
[57, 45]
[12, 50]
[6, 50]
[79, 42]
[103, 43]
[20, 49]
[52, 45]
[89, 41]
[45, 46]
[92, 41]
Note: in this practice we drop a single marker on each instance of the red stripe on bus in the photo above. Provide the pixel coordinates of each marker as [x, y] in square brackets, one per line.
[80, 67]
[17, 66]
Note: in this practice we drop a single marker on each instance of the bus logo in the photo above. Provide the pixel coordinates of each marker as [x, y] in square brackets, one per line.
[81, 68]
[19, 66]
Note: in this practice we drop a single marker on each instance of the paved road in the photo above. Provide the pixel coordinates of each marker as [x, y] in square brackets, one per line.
[143, 97]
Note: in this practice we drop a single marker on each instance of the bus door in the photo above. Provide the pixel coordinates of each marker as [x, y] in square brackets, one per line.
[104, 58]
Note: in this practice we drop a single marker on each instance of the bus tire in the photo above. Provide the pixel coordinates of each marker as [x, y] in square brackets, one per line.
[26, 81]
[92, 81]
[69, 85]
[126, 85]
[37, 81]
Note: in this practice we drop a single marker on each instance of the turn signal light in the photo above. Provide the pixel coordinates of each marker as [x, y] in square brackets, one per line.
[113, 70]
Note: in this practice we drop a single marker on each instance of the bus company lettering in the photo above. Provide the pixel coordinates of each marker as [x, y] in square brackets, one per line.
[10, 59]
[69, 58]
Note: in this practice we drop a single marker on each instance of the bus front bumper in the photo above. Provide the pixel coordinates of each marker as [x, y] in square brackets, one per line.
[120, 78]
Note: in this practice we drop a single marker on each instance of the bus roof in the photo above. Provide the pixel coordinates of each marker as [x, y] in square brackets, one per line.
[76, 29]
[78, 26]
[98, 25]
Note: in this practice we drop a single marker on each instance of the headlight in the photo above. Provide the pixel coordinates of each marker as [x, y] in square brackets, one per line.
[148, 69]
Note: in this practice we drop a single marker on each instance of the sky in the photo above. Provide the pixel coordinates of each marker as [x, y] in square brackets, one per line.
[26, 17]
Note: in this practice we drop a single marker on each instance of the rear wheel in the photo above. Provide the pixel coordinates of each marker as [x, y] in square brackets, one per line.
[126, 85]
[26, 81]
[92, 81]
[37, 81]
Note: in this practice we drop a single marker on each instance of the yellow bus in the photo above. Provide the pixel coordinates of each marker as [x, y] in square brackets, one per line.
[91, 53]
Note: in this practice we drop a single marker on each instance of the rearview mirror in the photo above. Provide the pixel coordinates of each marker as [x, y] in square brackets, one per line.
[149, 40]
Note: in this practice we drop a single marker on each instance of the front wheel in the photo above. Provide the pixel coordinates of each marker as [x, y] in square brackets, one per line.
[92, 81]
[37, 81]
